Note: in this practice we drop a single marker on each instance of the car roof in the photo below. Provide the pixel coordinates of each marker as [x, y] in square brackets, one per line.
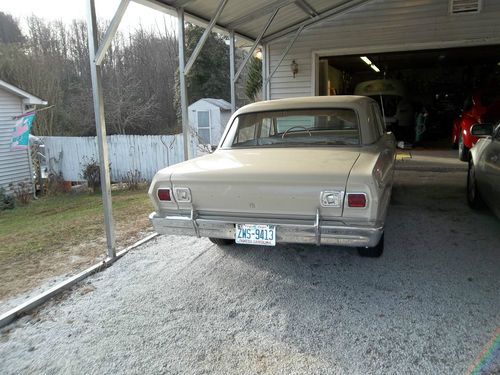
[336, 101]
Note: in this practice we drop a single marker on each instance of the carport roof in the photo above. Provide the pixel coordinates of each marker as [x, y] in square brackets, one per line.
[248, 18]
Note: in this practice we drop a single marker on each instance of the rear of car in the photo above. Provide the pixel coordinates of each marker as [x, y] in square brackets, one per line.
[483, 106]
[314, 172]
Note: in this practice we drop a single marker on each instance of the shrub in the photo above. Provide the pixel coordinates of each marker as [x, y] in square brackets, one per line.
[7, 201]
[22, 192]
[91, 173]
[55, 184]
[133, 180]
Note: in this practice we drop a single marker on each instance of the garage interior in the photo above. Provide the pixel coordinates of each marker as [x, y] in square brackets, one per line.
[438, 80]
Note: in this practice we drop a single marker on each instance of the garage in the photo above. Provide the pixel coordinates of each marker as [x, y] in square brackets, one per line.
[436, 82]
[437, 52]
[182, 304]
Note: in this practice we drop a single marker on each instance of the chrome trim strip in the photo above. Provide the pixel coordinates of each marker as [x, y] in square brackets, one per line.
[317, 229]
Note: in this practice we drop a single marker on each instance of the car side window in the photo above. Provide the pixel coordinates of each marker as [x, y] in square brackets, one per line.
[246, 132]
[378, 119]
[372, 121]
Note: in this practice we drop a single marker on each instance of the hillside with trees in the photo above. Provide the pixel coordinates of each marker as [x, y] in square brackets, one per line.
[50, 60]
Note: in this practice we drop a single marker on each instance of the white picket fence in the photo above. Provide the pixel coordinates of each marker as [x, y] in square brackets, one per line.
[127, 153]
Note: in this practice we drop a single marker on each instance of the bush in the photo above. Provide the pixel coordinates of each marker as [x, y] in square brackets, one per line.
[7, 201]
[91, 173]
[133, 180]
[55, 184]
[22, 192]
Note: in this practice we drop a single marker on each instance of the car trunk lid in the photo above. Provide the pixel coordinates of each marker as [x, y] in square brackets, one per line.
[271, 182]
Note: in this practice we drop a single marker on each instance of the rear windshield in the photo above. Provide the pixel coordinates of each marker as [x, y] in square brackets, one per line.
[333, 127]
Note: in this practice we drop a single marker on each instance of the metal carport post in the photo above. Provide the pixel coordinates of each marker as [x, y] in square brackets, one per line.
[96, 56]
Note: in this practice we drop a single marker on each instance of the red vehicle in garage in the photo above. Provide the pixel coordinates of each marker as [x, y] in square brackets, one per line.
[480, 107]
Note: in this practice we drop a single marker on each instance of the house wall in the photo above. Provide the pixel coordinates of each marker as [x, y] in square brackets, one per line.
[14, 165]
[380, 26]
[217, 123]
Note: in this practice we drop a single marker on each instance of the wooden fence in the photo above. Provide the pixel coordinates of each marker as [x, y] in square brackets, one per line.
[127, 153]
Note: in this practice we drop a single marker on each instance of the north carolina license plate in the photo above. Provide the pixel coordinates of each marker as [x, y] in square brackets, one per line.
[256, 234]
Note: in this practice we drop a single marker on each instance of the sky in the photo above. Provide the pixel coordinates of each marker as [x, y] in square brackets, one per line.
[67, 10]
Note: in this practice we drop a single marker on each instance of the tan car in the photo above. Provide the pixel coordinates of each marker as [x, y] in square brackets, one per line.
[313, 170]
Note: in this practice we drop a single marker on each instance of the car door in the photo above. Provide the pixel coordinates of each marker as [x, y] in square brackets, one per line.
[491, 172]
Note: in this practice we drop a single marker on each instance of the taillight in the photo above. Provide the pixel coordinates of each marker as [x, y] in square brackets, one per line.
[356, 200]
[164, 195]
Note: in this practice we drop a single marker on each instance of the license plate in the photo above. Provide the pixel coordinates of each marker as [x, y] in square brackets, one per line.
[256, 234]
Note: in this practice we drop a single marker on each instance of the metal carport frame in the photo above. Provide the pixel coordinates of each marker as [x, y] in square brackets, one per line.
[231, 27]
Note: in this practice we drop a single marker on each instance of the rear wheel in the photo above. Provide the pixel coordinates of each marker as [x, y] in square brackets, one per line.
[473, 197]
[221, 241]
[372, 252]
[463, 151]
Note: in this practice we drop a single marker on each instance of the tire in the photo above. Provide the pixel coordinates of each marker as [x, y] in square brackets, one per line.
[372, 252]
[221, 241]
[473, 197]
[463, 151]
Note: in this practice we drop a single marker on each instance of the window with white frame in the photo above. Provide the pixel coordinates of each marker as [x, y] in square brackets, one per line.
[204, 127]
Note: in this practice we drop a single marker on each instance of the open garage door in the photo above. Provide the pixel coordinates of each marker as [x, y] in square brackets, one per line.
[409, 84]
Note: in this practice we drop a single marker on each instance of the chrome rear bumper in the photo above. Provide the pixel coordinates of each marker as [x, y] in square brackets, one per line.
[317, 232]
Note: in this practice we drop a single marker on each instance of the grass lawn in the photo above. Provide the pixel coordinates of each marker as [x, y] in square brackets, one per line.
[56, 235]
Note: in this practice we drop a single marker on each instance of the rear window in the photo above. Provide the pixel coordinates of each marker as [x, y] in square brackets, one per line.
[331, 127]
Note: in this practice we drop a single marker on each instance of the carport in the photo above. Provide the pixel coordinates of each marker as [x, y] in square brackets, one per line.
[258, 23]
[293, 36]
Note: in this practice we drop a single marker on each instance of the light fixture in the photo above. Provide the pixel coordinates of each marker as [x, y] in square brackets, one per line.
[258, 53]
[366, 60]
[294, 67]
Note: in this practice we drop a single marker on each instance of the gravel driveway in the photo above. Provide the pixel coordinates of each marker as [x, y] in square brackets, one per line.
[181, 305]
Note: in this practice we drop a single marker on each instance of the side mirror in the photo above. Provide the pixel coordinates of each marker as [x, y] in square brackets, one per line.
[481, 130]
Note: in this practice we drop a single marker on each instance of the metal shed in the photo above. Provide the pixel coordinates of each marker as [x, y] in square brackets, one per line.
[209, 117]
[293, 34]
[14, 165]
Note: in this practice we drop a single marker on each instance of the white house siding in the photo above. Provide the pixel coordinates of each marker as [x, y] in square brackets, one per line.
[14, 165]
[381, 26]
